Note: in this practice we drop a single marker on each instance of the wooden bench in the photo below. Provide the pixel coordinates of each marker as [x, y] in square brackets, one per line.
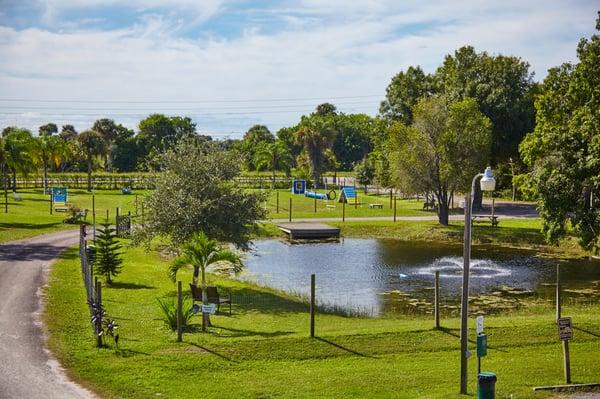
[212, 296]
[376, 206]
[492, 218]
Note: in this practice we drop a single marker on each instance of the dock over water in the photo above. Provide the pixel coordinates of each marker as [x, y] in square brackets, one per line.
[309, 230]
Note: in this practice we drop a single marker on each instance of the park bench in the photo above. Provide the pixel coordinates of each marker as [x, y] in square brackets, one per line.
[429, 206]
[376, 206]
[492, 218]
[212, 295]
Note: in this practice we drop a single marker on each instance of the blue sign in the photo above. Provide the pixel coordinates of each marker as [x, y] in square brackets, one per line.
[59, 194]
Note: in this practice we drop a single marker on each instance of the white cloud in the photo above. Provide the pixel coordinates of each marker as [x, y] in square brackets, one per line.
[329, 49]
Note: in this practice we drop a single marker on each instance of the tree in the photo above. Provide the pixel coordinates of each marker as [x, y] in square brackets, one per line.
[255, 137]
[316, 134]
[68, 133]
[444, 148]
[273, 156]
[403, 92]
[108, 130]
[125, 152]
[48, 150]
[158, 133]
[563, 151]
[90, 145]
[352, 138]
[48, 129]
[502, 86]
[202, 253]
[364, 172]
[107, 260]
[196, 192]
[18, 144]
[325, 109]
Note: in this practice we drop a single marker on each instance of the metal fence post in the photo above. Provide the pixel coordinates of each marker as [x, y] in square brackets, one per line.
[179, 313]
[312, 305]
[437, 299]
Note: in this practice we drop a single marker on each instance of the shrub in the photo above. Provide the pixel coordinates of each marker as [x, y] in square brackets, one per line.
[168, 306]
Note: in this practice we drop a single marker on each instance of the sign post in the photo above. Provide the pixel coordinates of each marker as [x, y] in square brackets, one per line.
[481, 342]
[565, 333]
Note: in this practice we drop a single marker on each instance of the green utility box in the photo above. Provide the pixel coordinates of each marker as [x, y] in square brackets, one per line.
[486, 385]
[481, 345]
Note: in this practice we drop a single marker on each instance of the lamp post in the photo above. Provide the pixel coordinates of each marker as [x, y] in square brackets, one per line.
[488, 183]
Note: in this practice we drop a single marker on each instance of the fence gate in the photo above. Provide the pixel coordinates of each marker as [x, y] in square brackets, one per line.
[123, 226]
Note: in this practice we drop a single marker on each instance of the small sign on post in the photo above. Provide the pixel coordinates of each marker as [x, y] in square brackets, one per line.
[479, 325]
[565, 329]
[565, 333]
[209, 308]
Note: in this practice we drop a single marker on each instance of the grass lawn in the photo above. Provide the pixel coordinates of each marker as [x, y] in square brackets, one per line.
[304, 207]
[31, 216]
[263, 349]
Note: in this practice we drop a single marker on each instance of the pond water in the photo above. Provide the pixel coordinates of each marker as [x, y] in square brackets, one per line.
[376, 276]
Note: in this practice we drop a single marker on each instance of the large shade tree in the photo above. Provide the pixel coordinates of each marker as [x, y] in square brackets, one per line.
[447, 144]
[564, 149]
[196, 192]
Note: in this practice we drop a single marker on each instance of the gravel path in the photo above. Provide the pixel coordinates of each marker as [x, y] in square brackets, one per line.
[27, 369]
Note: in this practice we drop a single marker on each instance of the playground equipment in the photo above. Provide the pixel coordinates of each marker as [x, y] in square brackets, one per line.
[348, 195]
[313, 194]
[298, 186]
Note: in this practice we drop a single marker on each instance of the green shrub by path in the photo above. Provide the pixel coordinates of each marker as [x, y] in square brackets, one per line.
[263, 349]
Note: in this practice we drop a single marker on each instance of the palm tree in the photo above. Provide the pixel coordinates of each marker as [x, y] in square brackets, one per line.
[273, 156]
[90, 144]
[316, 135]
[48, 150]
[18, 146]
[202, 254]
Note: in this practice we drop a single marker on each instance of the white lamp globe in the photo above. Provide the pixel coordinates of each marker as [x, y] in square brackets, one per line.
[488, 182]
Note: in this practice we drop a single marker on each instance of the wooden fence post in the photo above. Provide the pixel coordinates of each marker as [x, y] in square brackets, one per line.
[99, 303]
[277, 202]
[344, 210]
[436, 301]
[558, 298]
[179, 312]
[391, 198]
[290, 209]
[312, 305]
[94, 216]
[51, 203]
[315, 201]
[395, 206]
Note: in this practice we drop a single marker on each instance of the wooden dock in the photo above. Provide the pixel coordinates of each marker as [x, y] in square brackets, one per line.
[309, 230]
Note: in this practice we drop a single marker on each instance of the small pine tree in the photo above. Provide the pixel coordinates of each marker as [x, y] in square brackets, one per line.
[107, 262]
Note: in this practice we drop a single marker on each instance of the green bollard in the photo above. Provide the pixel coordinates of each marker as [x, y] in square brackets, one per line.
[486, 385]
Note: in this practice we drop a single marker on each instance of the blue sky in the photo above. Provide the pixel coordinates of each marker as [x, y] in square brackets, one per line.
[230, 64]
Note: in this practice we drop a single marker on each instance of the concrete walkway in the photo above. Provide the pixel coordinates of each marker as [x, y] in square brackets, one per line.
[27, 370]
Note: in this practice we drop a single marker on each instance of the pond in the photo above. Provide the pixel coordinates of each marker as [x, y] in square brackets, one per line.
[375, 276]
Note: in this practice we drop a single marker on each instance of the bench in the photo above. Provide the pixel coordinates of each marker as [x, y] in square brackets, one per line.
[212, 296]
[429, 206]
[376, 206]
[492, 218]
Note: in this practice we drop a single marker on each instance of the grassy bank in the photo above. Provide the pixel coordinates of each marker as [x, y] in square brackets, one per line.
[263, 349]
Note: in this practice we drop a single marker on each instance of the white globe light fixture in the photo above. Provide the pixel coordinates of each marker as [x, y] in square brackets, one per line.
[488, 181]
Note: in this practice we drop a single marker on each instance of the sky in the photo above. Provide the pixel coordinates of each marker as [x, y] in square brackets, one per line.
[230, 64]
